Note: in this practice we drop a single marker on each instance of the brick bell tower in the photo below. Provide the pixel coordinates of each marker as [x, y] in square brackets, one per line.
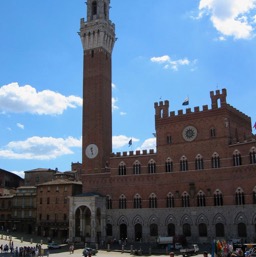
[98, 37]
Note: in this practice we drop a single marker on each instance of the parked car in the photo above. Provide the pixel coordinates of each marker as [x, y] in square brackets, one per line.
[88, 250]
[54, 246]
[190, 250]
[178, 246]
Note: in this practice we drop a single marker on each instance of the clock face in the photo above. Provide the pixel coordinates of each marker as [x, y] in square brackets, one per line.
[189, 133]
[91, 151]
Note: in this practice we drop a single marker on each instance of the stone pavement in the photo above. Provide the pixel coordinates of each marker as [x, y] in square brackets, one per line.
[64, 251]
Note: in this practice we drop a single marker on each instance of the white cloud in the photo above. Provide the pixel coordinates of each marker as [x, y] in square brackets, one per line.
[21, 99]
[19, 173]
[148, 144]
[122, 113]
[39, 148]
[172, 64]
[121, 141]
[114, 106]
[230, 17]
[19, 125]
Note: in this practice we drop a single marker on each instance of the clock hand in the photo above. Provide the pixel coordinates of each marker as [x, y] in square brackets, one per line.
[91, 150]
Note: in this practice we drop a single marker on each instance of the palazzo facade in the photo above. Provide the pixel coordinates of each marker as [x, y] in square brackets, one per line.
[200, 182]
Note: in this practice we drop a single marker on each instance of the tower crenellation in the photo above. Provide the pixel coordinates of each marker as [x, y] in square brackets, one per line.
[162, 109]
[218, 96]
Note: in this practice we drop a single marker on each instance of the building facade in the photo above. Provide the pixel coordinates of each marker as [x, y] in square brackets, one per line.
[52, 212]
[200, 182]
[23, 209]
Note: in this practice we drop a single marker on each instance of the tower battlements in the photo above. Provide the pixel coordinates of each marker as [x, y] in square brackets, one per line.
[133, 153]
[218, 101]
[218, 96]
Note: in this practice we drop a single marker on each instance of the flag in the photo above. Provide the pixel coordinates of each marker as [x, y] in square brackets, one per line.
[254, 126]
[186, 101]
[130, 142]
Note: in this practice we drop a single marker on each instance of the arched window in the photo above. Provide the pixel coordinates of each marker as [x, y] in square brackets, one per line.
[152, 201]
[153, 230]
[202, 230]
[137, 202]
[136, 167]
[215, 161]
[237, 160]
[171, 229]
[183, 163]
[186, 229]
[219, 230]
[169, 165]
[170, 200]
[122, 169]
[241, 229]
[218, 199]
[151, 166]
[109, 230]
[122, 202]
[253, 155]
[239, 197]
[200, 199]
[185, 199]
[199, 162]
[109, 202]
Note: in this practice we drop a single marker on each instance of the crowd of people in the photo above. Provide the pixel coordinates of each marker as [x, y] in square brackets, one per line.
[36, 251]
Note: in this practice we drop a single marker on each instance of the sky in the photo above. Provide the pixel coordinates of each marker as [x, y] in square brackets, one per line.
[165, 50]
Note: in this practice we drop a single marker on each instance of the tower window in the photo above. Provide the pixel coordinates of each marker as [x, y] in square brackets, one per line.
[105, 10]
[94, 8]
[213, 132]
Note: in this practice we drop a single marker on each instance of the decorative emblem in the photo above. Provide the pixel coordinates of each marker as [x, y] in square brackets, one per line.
[189, 133]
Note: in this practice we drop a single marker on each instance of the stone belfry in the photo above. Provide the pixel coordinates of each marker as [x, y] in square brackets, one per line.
[97, 34]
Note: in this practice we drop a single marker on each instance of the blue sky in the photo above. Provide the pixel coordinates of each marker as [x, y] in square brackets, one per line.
[165, 50]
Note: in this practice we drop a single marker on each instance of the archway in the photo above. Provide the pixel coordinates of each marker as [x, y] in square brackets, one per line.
[123, 232]
[138, 232]
[83, 222]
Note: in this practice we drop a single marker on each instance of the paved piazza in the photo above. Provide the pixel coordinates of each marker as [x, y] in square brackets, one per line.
[64, 251]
